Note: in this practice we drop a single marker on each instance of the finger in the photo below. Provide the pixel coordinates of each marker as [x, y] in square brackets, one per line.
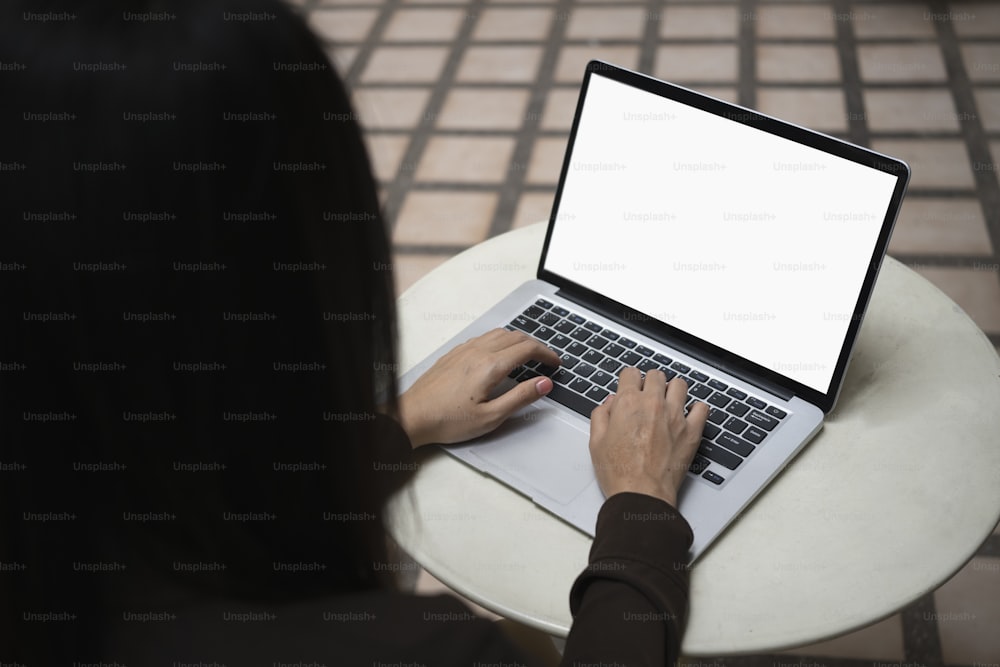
[495, 340]
[526, 350]
[656, 382]
[524, 393]
[698, 415]
[676, 395]
[629, 378]
[599, 419]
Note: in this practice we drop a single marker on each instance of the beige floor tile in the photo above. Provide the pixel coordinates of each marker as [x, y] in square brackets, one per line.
[934, 163]
[976, 290]
[390, 108]
[975, 19]
[880, 641]
[794, 21]
[696, 63]
[968, 608]
[465, 160]
[818, 63]
[386, 153]
[988, 103]
[476, 108]
[817, 109]
[560, 106]
[342, 25]
[684, 22]
[406, 64]
[982, 61]
[533, 207]
[546, 160]
[904, 110]
[499, 64]
[426, 25]
[901, 62]
[342, 57]
[940, 227]
[408, 270]
[606, 23]
[428, 585]
[457, 218]
[885, 20]
[573, 59]
[510, 23]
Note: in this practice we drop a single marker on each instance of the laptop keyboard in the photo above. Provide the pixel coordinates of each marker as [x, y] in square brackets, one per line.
[592, 357]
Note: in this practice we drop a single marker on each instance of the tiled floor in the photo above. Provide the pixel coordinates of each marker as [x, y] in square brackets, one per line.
[467, 106]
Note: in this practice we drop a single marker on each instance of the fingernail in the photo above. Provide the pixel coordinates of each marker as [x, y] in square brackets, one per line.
[543, 386]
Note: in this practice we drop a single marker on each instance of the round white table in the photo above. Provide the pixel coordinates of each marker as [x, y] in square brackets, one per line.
[892, 497]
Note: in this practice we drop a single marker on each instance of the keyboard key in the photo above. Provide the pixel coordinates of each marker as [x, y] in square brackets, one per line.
[711, 430]
[669, 373]
[678, 366]
[544, 333]
[716, 416]
[610, 365]
[737, 408]
[593, 357]
[662, 359]
[568, 361]
[515, 372]
[625, 342]
[720, 455]
[614, 349]
[735, 425]
[548, 319]
[760, 419]
[584, 370]
[611, 335]
[542, 303]
[594, 326]
[576, 319]
[601, 378]
[718, 384]
[713, 478]
[546, 370]
[560, 311]
[560, 341]
[630, 358]
[734, 444]
[524, 324]
[644, 351]
[534, 312]
[597, 394]
[577, 349]
[613, 387]
[754, 435]
[565, 326]
[580, 334]
[719, 400]
[756, 403]
[571, 400]
[580, 385]
[562, 376]
[597, 342]
[699, 391]
[736, 393]
[775, 412]
[699, 464]
[646, 365]
[527, 375]
[698, 375]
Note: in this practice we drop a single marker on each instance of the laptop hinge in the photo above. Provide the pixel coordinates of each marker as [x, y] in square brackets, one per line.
[647, 327]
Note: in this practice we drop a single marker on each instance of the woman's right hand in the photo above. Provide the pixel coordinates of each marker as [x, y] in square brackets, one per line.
[640, 439]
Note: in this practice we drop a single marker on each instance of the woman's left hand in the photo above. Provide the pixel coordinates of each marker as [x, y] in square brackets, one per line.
[450, 402]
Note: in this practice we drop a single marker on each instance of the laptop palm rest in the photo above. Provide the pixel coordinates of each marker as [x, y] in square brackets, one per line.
[538, 447]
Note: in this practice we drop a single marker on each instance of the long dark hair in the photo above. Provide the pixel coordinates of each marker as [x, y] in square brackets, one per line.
[197, 315]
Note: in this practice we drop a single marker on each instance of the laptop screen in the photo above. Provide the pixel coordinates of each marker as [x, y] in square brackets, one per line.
[742, 238]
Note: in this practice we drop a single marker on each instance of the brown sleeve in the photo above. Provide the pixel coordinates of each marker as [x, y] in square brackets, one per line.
[630, 604]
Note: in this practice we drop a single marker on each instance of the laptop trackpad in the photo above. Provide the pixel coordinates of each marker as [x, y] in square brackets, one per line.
[543, 449]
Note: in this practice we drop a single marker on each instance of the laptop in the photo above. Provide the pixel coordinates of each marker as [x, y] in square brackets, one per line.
[705, 239]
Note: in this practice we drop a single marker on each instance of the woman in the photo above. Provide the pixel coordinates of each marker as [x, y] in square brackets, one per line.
[198, 392]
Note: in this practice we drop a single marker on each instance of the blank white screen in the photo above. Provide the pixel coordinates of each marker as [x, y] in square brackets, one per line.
[749, 241]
